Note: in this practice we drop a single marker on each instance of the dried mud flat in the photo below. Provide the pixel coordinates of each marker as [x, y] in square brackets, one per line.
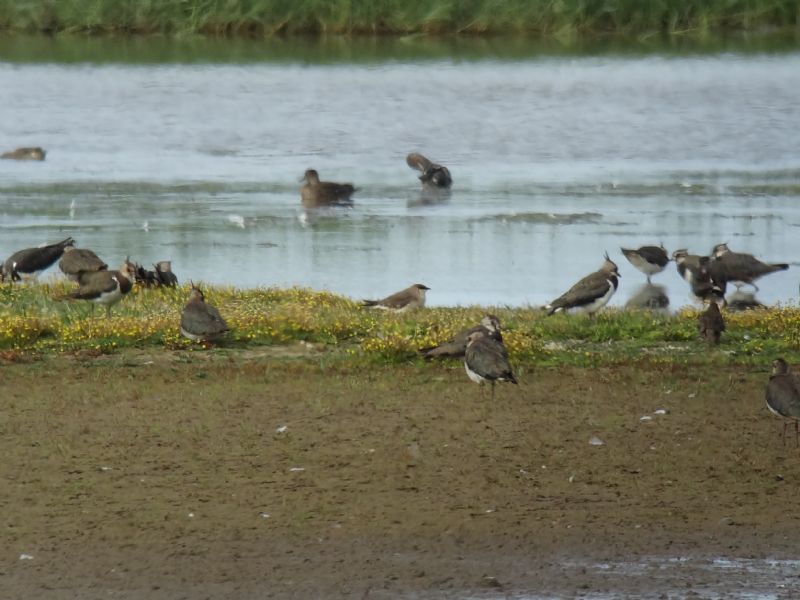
[239, 475]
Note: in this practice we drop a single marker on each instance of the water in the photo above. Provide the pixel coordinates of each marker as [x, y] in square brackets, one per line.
[557, 157]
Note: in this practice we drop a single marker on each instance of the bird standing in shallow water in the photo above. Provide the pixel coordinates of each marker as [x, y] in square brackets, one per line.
[486, 360]
[647, 259]
[316, 193]
[783, 396]
[591, 293]
[201, 322]
[741, 268]
[432, 174]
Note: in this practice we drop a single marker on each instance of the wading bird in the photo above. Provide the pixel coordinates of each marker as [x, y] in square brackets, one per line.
[105, 287]
[431, 174]
[201, 322]
[740, 268]
[32, 261]
[486, 360]
[316, 193]
[647, 259]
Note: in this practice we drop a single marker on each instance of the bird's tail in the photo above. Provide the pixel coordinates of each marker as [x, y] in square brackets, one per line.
[779, 266]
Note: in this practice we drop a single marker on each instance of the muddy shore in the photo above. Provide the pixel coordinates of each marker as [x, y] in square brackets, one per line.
[224, 475]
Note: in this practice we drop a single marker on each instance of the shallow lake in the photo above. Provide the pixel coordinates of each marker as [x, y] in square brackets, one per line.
[193, 151]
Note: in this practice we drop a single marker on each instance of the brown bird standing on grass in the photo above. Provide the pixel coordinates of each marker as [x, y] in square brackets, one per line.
[486, 360]
[316, 193]
[783, 397]
[710, 324]
[105, 287]
[432, 174]
[201, 322]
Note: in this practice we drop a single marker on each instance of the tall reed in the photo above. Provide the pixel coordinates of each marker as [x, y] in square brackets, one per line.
[265, 17]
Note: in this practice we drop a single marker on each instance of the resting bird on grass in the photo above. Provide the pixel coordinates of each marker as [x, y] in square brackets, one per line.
[710, 324]
[486, 360]
[408, 299]
[783, 396]
[316, 193]
[456, 346]
[591, 293]
[201, 322]
[647, 259]
[105, 287]
[432, 174]
[32, 261]
[740, 268]
[78, 260]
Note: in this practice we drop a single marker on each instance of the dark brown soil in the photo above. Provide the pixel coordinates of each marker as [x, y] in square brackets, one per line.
[170, 476]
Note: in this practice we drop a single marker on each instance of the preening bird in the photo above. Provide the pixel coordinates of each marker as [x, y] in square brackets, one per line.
[32, 261]
[431, 174]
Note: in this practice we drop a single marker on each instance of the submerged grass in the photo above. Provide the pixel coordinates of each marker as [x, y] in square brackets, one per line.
[34, 319]
[265, 17]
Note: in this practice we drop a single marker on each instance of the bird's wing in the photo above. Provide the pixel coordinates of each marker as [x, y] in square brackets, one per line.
[587, 289]
[94, 283]
[654, 255]
[399, 299]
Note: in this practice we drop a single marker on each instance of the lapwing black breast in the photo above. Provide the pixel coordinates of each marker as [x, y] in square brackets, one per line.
[486, 360]
[77, 260]
[647, 259]
[431, 173]
[200, 321]
[316, 193]
[591, 293]
[408, 299]
[457, 345]
[32, 261]
[710, 324]
[783, 396]
[743, 268]
[105, 287]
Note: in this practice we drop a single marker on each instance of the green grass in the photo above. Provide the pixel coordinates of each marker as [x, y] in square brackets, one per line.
[266, 17]
[34, 319]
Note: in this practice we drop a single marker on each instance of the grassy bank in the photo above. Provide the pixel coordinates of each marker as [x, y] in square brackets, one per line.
[266, 17]
[33, 319]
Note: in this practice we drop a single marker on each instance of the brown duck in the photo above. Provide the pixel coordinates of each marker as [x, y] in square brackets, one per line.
[315, 193]
[35, 153]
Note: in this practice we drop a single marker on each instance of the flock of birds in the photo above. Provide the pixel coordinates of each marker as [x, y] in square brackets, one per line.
[481, 347]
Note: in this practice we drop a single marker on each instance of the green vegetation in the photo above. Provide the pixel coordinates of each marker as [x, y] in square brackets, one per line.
[34, 320]
[267, 17]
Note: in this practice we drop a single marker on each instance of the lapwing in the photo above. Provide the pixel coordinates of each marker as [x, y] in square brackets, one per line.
[591, 293]
[710, 324]
[457, 345]
[34, 153]
[740, 268]
[703, 274]
[32, 261]
[164, 273]
[431, 174]
[201, 322]
[408, 299]
[783, 396]
[647, 259]
[486, 360]
[77, 260]
[105, 287]
[316, 193]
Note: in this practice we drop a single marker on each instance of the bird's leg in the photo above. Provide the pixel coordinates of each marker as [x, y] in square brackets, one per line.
[648, 280]
[755, 287]
[108, 311]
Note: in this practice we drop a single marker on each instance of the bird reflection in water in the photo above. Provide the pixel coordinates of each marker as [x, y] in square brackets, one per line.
[649, 297]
